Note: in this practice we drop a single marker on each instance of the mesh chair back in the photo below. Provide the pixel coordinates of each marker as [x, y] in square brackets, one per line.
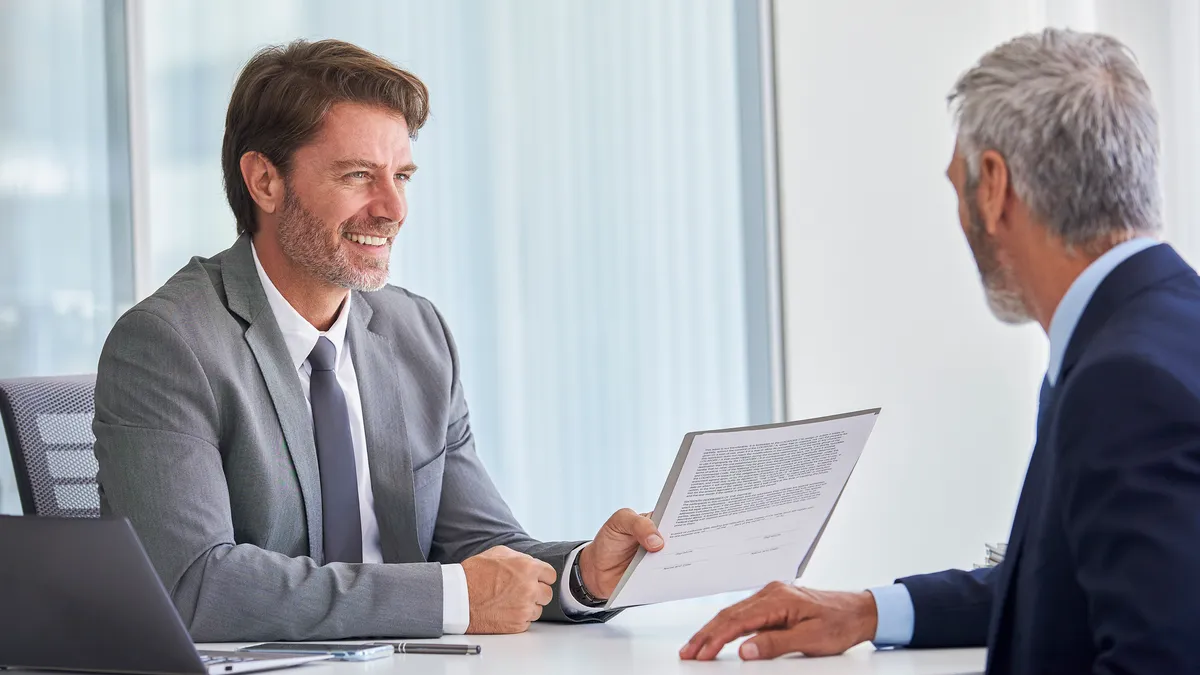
[48, 421]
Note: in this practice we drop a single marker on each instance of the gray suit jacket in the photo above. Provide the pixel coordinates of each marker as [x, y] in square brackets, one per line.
[205, 443]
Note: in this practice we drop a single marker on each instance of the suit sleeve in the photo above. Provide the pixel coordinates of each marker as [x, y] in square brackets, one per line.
[473, 517]
[951, 608]
[1129, 476]
[157, 437]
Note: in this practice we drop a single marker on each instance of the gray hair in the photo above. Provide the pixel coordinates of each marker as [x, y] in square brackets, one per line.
[1073, 118]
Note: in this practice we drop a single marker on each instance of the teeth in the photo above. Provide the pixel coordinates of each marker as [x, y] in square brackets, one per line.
[363, 239]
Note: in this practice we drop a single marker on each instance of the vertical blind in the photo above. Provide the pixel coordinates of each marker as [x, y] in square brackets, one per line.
[62, 281]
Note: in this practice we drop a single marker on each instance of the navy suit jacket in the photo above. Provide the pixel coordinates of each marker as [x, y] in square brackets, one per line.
[1102, 572]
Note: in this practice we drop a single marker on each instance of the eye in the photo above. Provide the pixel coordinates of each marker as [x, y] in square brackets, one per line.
[358, 175]
[404, 177]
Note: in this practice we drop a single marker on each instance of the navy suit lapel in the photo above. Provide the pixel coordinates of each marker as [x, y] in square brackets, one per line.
[1031, 497]
[1045, 400]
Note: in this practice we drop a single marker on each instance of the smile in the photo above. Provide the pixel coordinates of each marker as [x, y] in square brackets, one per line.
[365, 240]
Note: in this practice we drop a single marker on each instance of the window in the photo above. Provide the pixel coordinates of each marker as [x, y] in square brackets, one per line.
[588, 215]
[64, 225]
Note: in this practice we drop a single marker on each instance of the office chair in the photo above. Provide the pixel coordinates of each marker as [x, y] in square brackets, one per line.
[48, 422]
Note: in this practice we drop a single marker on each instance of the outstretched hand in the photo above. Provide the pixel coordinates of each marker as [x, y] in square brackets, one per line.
[786, 619]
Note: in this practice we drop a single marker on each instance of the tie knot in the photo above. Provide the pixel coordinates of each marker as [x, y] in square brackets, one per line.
[323, 355]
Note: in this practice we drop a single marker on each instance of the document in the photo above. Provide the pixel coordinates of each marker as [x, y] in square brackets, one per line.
[744, 507]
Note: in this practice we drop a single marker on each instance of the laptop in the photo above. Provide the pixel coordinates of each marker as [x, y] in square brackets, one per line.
[80, 594]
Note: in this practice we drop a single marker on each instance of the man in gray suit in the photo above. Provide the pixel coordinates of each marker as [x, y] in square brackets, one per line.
[289, 434]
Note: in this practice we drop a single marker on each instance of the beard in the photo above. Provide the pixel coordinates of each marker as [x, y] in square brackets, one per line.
[306, 240]
[1000, 286]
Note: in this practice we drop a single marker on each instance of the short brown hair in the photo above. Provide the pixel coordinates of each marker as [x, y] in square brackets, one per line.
[283, 94]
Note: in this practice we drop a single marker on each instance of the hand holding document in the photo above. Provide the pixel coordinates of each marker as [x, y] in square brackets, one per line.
[744, 507]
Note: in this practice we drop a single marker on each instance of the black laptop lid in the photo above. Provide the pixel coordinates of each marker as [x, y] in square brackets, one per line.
[80, 594]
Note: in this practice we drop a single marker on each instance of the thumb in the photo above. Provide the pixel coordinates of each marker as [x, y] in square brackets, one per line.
[641, 528]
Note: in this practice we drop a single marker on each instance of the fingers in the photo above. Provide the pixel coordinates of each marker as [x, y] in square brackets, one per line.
[775, 606]
[543, 590]
[708, 645]
[807, 636]
[507, 590]
[514, 628]
[787, 620]
[545, 573]
[726, 631]
[769, 644]
[727, 625]
[545, 595]
[542, 596]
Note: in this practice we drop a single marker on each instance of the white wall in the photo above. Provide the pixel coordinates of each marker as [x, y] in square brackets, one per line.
[882, 299]
[1165, 37]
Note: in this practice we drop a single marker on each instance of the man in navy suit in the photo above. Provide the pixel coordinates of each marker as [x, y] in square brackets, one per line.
[1056, 171]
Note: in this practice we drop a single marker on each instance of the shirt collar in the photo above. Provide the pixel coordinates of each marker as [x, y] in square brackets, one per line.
[299, 335]
[1070, 309]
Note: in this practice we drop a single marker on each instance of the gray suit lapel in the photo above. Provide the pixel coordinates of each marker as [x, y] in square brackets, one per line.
[248, 300]
[379, 386]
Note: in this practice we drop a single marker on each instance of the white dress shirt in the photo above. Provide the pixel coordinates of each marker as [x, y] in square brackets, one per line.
[300, 337]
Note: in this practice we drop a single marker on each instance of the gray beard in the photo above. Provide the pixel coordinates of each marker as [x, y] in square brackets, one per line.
[999, 286]
[1006, 305]
[304, 240]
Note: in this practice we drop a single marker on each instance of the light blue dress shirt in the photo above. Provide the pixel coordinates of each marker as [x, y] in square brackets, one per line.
[893, 603]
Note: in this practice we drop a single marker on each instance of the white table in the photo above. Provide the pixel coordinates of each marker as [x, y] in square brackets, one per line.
[641, 640]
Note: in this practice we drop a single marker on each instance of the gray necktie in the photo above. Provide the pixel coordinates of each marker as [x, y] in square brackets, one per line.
[335, 455]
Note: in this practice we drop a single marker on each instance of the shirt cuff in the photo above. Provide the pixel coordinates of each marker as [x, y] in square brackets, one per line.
[570, 605]
[456, 601]
[897, 618]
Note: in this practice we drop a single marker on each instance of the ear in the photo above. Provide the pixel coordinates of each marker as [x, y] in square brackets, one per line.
[992, 192]
[263, 180]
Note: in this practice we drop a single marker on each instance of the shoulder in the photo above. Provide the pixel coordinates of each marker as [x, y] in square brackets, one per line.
[190, 305]
[1142, 367]
[1117, 406]
[1154, 334]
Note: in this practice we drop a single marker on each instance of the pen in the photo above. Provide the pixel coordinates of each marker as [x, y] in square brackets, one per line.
[434, 648]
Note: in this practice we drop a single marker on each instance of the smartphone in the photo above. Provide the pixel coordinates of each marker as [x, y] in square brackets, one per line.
[340, 652]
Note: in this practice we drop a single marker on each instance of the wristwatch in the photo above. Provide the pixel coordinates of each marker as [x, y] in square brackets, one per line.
[580, 591]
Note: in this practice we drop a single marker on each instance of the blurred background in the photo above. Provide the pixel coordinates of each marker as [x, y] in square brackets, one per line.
[640, 218]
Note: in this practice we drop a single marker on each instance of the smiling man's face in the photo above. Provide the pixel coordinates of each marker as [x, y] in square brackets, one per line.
[344, 200]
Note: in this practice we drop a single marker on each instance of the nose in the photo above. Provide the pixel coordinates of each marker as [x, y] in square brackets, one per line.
[389, 203]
